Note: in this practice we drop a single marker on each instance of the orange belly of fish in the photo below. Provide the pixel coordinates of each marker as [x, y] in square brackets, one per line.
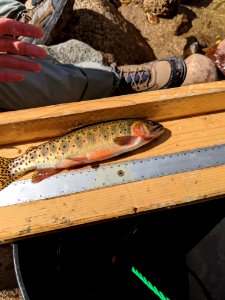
[89, 158]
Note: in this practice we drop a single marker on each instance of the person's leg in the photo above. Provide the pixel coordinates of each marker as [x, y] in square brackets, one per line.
[59, 83]
[62, 83]
[11, 9]
[67, 83]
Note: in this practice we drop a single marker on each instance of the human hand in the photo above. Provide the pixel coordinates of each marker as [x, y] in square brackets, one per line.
[9, 47]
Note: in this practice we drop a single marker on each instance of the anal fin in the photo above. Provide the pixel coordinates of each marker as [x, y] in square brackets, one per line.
[42, 174]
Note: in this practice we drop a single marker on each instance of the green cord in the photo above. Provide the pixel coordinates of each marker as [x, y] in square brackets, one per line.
[149, 285]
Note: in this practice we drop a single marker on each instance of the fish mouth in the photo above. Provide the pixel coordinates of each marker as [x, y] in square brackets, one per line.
[156, 128]
[158, 131]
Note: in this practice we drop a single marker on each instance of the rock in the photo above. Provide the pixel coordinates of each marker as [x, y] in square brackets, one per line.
[206, 18]
[72, 52]
[161, 8]
[200, 69]
[100, 25]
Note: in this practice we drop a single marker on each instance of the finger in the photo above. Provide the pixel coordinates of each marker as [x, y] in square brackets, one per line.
[11, 62]
[14, 46]
[6, 76]
[16, 28]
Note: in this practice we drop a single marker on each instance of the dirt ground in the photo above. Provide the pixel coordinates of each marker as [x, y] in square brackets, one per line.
[202, 20]
[109, 30]
[107, 26]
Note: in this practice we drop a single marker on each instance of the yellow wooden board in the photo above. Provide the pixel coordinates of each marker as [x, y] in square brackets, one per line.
[46, 122]
[194, 117]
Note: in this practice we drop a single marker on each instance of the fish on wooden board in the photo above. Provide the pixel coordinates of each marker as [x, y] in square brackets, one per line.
[85, 145]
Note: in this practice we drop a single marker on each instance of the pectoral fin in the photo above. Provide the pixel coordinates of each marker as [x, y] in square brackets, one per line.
[126, 140]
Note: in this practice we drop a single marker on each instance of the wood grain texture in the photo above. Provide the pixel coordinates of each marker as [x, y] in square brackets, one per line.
[121, 201]
[46, 122]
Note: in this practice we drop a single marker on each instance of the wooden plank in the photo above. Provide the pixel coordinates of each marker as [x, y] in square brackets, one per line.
[180, 135]
[121, 201]
[40, 123]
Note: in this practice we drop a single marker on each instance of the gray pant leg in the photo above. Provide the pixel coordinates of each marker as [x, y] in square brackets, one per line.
[11, 9]
[58, 83]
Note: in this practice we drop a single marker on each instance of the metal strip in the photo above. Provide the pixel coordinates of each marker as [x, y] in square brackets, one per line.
[113, 174]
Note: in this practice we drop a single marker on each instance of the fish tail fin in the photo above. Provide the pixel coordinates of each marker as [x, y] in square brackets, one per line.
[5, 175]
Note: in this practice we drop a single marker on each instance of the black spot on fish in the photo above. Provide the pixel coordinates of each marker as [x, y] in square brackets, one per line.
[79, 142]
[105, 133]
[52, 147]
[64, 145]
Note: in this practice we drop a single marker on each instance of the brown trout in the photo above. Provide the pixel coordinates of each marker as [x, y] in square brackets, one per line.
[83, 146]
